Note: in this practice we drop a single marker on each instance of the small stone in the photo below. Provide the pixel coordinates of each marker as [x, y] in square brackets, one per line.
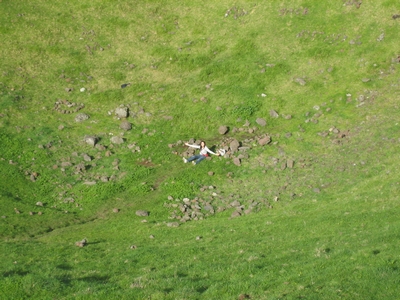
[142, 213]
[273, 113]
[290, 163]
[211, 173]
[81, 243]
[234, 145]
[117, 140]
[261, 122]
[173, 224]
[300, 81]
[237, 161]
[235, 214]
[81, 117]
[198, 238]
[39, 213]
[121, 112]
[151, 236]
[223, 129]
[264, 141]
[115, 210]
[133, 247]
[90, 140]
[125, 125]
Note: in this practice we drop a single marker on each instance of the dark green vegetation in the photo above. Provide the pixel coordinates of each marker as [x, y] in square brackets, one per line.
[193, 66]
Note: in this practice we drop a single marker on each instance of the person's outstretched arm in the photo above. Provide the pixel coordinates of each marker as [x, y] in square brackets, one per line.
[193, 146]
[209, 151]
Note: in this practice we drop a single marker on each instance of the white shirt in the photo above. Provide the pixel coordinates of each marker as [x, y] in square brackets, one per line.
[203, 151]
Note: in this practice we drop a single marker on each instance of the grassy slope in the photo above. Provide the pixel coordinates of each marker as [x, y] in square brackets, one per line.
[339, 243]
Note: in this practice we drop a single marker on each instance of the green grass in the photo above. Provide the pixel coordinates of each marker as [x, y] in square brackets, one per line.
[331, 234]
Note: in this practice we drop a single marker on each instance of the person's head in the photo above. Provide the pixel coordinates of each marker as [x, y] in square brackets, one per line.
[202, 144]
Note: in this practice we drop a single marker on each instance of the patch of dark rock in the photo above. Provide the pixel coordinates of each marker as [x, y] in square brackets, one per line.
[125, 84]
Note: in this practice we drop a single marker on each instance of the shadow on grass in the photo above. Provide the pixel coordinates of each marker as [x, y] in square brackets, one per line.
[95, 279]
[64, 267]
[15, 273]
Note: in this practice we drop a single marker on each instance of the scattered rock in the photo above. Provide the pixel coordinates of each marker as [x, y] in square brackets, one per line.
[81, 243]
[211, 173]
[86, 157]
[117, 140]
[81, 117]
[237, 161]
[235, 214]
[264, 141]
[234, 145]
[125, 125]
[223, 129]
[261, 122]
[300, 81]
[133, 247]
[115, 210]
[273, 113]
[90, 140]
[173, 224]
[121, 112]
[290, 163]
[142, 213]
[198, 238]
[39, 203]
[90, 182]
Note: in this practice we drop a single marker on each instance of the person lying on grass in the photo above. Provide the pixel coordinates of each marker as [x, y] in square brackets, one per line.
[195, 159]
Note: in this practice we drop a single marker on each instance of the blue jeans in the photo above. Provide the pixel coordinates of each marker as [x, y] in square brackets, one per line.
[197, 157]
